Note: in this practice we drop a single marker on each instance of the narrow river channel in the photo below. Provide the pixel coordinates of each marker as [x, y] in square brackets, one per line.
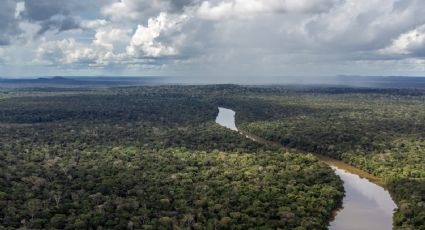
[366, 205]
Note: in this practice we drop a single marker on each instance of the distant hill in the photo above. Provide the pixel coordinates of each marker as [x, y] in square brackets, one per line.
[97, 82]
[71, 82]
[381, 81]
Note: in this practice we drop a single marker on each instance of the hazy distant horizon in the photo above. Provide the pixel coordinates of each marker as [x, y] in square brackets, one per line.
[348, 81]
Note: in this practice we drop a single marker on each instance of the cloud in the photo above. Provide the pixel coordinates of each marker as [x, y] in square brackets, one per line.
[115, 44]
[60, 15]
[58, 23]
[43, 10]
[8, 22]
[93, 24]
[249, 8]
[140, 10]
[71, 52]
[154, 40]
[50, 14]
[112, 38]
[363, 25]
[411, 43]
[235, 36]
[1, 56]
[66, 51]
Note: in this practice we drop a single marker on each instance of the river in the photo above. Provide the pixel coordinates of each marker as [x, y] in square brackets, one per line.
[366, 205]
[226, 118]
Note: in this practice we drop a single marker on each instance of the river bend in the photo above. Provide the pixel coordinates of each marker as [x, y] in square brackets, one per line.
[366, 205]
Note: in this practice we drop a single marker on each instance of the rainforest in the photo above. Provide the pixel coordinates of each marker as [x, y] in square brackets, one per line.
[152, 157]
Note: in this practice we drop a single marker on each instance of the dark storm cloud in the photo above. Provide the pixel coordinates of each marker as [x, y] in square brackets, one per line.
[8, 23]
[50, 14]
[142, 10]
[179, 5]
[60, 15]
[58, 24]
[43, 10]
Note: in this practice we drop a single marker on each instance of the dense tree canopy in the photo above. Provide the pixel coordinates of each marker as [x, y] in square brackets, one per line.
[149, 157]
[152, 157]
[380, 131]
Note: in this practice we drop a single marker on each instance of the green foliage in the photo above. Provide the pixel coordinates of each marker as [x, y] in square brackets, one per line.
[380, 131]
[149, 158]
[114, 188]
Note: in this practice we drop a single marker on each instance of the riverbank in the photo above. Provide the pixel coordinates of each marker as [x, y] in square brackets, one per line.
[366, 205]
[328, 160]
[380, 211]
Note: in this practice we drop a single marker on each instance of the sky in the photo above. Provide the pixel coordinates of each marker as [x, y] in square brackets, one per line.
[212, 39]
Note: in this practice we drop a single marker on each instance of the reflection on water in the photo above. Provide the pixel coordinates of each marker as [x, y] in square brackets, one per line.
[366, 205]
[226, 118]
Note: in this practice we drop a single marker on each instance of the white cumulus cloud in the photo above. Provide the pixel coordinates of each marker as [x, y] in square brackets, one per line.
[146, 41]
[93, 24]
[409, 43]
[111, 38]
[66, 51]
[249, 8]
